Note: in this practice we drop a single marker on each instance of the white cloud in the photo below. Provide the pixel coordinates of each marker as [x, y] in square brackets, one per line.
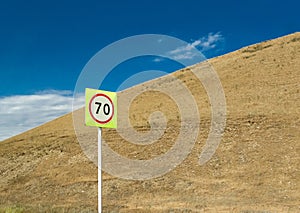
[203, 44]
[23, 112]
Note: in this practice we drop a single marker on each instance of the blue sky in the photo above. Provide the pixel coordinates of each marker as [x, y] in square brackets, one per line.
[44, 45]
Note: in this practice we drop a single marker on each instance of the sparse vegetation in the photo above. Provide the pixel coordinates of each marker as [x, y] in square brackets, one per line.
[255, 48]
[11, 209]
[249, 56]
[48, 209]
[295, 39]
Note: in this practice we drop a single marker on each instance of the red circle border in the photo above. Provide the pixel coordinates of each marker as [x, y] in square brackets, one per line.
[90, 108]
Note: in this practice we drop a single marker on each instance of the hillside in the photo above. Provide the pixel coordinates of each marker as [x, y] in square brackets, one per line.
[255, 168]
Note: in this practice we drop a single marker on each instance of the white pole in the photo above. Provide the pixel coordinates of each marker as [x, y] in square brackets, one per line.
[99, 172]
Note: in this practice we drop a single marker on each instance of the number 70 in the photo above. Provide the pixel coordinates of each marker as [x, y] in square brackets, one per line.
[106, 108]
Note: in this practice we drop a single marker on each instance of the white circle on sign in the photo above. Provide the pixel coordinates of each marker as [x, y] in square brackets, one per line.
[101, 108]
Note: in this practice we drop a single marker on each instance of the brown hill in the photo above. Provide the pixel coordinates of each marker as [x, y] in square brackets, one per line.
[255, 168]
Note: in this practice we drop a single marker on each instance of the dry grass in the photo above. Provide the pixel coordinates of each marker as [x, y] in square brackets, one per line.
[255, 168]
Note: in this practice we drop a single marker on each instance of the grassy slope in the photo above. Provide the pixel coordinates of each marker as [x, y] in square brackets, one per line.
[256, 166]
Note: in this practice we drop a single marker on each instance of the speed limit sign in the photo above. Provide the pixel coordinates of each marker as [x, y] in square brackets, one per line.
[101, 108]
[100, 111]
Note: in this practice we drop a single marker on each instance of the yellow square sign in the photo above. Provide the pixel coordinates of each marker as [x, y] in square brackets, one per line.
[100, 108]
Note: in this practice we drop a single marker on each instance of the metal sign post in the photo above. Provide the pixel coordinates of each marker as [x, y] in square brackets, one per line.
[99, 170]
[100, 111]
